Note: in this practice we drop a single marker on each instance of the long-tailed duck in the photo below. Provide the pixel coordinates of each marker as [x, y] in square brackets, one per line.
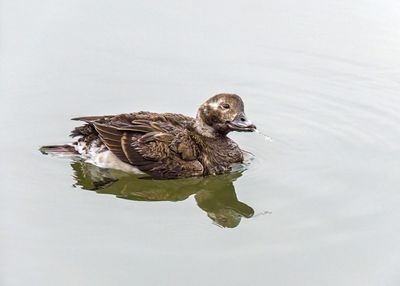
[163, 145]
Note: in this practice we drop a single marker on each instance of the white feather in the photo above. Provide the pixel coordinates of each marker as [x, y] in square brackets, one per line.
[101, 157]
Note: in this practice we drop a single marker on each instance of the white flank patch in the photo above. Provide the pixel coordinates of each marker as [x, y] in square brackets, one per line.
[101, 157]
[107, 159]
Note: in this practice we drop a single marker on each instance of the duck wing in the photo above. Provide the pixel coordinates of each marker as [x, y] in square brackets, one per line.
[157, 144]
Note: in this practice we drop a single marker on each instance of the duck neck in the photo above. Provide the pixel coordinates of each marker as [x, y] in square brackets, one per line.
[203, 129]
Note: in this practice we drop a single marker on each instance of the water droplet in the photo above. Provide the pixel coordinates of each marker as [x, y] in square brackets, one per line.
[266, 137]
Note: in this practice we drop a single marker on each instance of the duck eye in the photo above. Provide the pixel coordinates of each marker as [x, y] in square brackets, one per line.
[225, 105]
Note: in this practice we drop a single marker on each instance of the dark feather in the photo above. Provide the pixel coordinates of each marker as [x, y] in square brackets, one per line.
[92, 118]
[58, 149]
[111, 137]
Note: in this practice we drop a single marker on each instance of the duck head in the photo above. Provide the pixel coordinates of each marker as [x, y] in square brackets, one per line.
[221, 114]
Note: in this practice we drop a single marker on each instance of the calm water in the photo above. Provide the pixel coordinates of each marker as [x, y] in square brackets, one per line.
[317, 206]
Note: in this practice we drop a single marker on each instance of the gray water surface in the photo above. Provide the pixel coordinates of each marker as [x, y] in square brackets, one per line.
[322, 78]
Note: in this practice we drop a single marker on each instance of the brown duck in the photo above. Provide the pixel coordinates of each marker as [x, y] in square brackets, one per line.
[163, 145]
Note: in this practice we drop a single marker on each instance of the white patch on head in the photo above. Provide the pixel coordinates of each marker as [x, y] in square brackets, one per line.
[214, 105]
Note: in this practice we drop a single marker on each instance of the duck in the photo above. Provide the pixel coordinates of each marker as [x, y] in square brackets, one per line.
[163, 145]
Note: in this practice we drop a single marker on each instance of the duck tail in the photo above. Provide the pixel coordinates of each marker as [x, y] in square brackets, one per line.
[63, 150]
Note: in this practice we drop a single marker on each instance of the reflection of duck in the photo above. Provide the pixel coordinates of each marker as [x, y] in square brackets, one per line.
[222, 205]
[214, 194]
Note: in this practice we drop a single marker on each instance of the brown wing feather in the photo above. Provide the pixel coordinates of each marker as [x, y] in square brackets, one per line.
[158, 159]
[158, 145]
[92, 118]
[111, 137]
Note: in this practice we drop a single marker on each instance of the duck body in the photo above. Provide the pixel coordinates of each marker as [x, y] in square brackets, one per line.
[164, 145]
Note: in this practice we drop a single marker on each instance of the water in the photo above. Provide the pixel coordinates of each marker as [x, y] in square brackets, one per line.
[266, 137]
[316, 206]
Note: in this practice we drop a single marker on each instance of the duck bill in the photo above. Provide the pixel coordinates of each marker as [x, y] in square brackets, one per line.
[241, 124]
